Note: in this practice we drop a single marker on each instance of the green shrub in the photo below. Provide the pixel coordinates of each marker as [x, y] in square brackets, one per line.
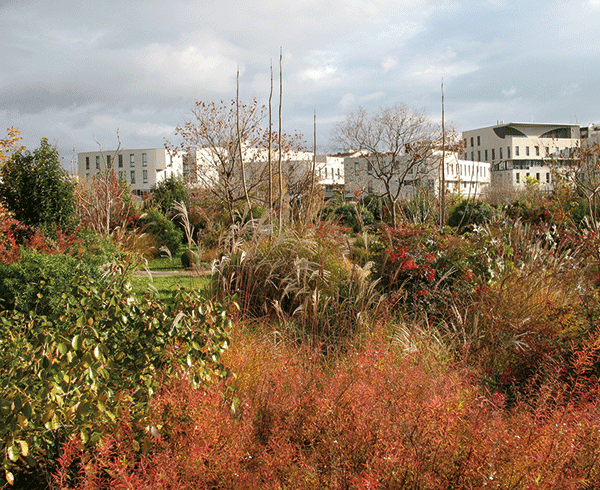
[37, 281]
[347, 214]
[95, 361]
[469, 213]
[189, 258]
[163, 229]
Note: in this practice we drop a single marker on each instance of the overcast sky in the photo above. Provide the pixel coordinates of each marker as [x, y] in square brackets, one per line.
[72, 69]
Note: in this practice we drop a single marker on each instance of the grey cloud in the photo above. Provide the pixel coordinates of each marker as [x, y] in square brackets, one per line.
[36, 97]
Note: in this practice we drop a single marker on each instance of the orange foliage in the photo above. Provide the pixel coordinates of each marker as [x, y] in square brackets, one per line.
[378, 418]
[10, 144]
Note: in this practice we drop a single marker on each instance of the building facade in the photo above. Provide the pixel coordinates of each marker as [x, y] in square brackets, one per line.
[468, 178]
[204, 166]
[141, 169]
[518, 152]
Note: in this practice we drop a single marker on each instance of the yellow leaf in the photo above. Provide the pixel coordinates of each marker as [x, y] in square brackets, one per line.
[10, 478]
[24, 448]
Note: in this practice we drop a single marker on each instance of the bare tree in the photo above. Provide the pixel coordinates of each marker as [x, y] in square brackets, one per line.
[580, 172]
[212, 141]
[396, 145]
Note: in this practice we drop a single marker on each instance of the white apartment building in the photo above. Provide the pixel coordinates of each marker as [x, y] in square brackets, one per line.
[204, 166]
[141, 169]
[469, 178]
[517, 151]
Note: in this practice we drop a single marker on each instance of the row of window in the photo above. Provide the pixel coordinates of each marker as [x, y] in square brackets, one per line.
[478, 141]
[122, 176]
[326, 171]
[536, 150]
[119, 159]
[537, 177]
[463, 169]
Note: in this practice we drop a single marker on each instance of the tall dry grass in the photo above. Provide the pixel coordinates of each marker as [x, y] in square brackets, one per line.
[302, 280]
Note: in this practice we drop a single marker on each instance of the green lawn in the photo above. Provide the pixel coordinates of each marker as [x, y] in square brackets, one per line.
[165, 263]
[165, 285]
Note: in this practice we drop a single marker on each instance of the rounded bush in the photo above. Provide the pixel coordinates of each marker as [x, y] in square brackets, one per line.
[188, 259]
[470, 213]
[163, 229]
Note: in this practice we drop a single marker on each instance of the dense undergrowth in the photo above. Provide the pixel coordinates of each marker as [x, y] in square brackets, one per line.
[407, 357]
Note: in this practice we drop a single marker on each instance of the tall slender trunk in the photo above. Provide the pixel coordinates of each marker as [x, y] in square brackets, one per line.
[314, 168]
[443, 182]
[270, 156]
[239, 145]
[279, 165]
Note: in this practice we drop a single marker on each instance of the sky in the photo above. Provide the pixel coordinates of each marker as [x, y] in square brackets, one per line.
[77, 71]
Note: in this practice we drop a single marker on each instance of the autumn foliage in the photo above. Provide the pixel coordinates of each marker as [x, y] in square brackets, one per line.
[10, 144]
[375, 418]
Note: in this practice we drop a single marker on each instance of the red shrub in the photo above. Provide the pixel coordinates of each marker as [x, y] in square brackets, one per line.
[375, 419]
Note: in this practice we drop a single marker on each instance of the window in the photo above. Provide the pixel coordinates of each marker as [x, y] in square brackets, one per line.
[144, 160]
[120, 161]
[107, 161]
[121, 175]
[325, 172]
[508, 153]
[478, 140]
[145, 176]
[356, 167]
[537, 176]
[493, 154]
[516, 151]
[547, 177]
[472, 155]
[87, 163]
[471, 141]
[97, 162]
[369, 168]
[486, 155]
[132, 179]
[131, 160]
[526, 151]
[478, 155]
[500, 153]
[537, 151]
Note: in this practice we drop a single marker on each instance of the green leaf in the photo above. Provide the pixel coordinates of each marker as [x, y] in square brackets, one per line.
[13, 452]
[77, 342]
